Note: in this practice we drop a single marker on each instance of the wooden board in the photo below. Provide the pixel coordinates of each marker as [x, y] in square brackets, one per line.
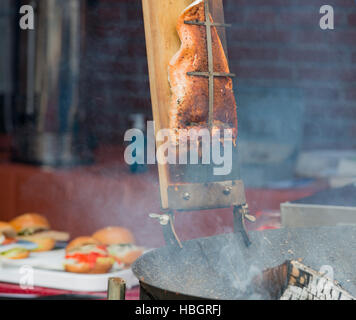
[162, 42]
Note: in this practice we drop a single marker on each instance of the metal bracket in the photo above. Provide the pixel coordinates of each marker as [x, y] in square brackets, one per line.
[213, 195]
[240, 214]
[169, 233]
[204, 196]
[171, 238]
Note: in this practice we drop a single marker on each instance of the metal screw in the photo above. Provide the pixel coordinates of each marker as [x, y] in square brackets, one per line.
[162, 218]
[227, 191]
[250, 218]
[186, 196]
[246, 213]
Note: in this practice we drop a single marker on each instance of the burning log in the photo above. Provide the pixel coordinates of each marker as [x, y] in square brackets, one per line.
[295, 281]
[307, 284]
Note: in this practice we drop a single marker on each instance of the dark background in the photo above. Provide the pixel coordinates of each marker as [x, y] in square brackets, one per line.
[279, 54]
[273, 43]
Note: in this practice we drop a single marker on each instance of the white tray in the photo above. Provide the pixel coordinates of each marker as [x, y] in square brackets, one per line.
[46, 270]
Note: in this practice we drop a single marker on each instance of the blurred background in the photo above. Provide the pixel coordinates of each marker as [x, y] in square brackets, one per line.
[71, 88]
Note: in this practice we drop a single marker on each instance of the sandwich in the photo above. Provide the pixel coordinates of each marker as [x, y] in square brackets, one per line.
[9, 248]
[120, 244]
[87, 255]
[34, 228]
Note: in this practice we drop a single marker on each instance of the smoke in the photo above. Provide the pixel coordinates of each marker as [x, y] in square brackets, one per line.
[241, 277]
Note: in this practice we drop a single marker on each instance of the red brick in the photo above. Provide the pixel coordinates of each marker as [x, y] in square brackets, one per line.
[264, 72]
[293, 17]
[330, 110]
[253, 53]
[353, 132]
[132, 31]
[113, 2]
[260, 35]
[351, 94]
[104, 46]
[333, 37]
[137, 49]
[122, 66]
[351, 19]
[343, 111]
[129, 103]
[336, 131]
[108, 29]
[234, 16]
[264, 17]
[108, 13]
[275, 34]
[327, 74]
[134, 11]
[258, 2]
[322, 93]
[345, 37]
[342, 3]
[135, 85]
[302, 55]
[319, 3]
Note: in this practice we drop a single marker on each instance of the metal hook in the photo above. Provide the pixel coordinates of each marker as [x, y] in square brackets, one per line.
[169, 232]
[240, 213]
[162, 218]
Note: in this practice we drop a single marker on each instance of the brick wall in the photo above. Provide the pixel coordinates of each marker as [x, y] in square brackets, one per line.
[273, 43]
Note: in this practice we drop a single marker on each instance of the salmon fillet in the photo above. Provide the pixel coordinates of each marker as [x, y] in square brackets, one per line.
[190, 94]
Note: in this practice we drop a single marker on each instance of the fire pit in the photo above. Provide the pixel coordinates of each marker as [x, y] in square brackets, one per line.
[222, 267]
[275, 264]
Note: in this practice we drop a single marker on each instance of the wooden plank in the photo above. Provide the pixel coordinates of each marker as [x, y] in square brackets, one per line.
[116, 289]
[162, 42]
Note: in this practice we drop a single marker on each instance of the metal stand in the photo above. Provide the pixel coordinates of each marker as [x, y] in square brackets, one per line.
[169, 233]
[240, 214]
[222, 194]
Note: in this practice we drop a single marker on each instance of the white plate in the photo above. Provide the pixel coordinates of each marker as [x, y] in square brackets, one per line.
[45, 269]
[21, 244]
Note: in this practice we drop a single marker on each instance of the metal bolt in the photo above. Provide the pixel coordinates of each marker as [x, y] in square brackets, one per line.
[162, 218]
[186, 196]
[245, 209]
[246, 213]
[250, 218]
[227, 191]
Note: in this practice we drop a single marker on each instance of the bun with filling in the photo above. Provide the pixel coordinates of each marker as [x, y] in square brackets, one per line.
[120, 244]
[7, 237]
[33, 227]
[87, 255]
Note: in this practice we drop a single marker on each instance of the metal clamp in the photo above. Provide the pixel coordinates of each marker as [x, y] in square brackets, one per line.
[162, 218]
[169, 232]
[116, 289]
[240, 214]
